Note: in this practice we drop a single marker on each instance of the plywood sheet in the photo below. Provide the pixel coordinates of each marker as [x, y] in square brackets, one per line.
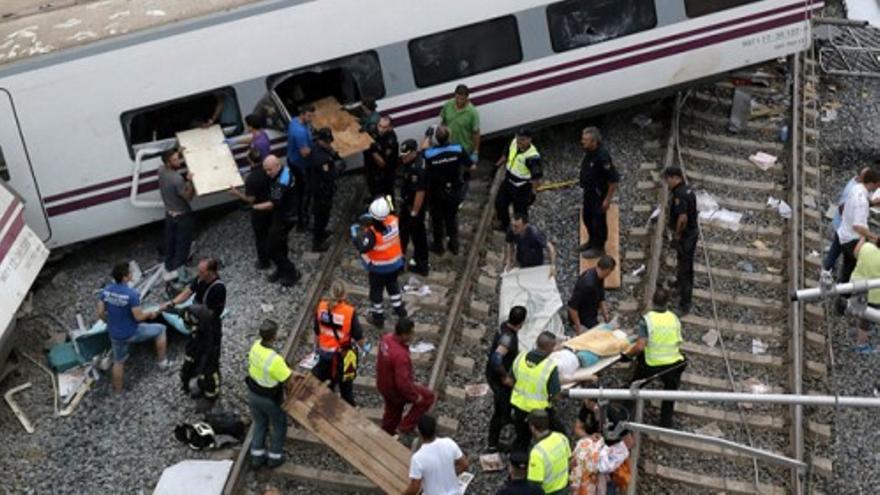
[352, 435]
[347, 138]
[612, 245]
[209, 159]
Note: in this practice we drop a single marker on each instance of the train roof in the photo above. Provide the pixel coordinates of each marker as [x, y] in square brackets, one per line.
[30, 28]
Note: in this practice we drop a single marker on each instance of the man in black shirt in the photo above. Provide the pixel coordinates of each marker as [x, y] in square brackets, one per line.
[683, 224]
[502, 352]
[256, 190]
[599, 180]
[588, 297]
[281, 205]
[445, 165]
[380, 160]
[326, 167]
[413, 206]
[528, 243]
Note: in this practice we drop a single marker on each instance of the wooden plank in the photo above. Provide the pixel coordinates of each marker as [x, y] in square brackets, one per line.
[772, 254]
[328, 480]
[719, 159]
[706, 382]
[750, 229]
[612, 246]
[727, 415]
[209, 159]
[710, 483]
[747, 301]
[729, 141]
[764, 331]
[763, 278]
[347, 138]
[750, 185]
[744, 357]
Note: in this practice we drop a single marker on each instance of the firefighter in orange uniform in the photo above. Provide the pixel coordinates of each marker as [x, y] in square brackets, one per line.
[336, 327]
[377, 238]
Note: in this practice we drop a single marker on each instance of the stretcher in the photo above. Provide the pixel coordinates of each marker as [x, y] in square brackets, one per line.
[582, 358]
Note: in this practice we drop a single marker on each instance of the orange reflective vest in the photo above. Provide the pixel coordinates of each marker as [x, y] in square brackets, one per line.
[341, 315]
[387, 251]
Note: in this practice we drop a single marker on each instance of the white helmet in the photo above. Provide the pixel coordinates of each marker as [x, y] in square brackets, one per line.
[379, 208]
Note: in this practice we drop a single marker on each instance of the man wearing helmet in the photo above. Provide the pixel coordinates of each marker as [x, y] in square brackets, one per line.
[377, 239]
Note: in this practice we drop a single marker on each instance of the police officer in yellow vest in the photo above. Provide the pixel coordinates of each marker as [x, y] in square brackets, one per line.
[536, 387]
[549, 457]
[267, 373]
[524, 172]
[659, 343]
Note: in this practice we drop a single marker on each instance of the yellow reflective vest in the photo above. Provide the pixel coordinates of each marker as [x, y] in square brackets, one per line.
[516, 161]
[530, 388]
[266, 367]
[548, 462]
[664, 338]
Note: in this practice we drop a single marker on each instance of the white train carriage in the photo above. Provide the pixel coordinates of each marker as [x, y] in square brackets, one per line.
[73, 121]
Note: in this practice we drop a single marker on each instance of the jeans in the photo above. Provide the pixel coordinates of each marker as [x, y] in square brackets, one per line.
[267, 414]
[849, 261]
[379, 283]
[261, 221]
[413, 228]
[393, 418]
[671, 381]
[834, 252]
[144, 332]
[500, 412]
[509, 193]
[595, 220]
[177, 239]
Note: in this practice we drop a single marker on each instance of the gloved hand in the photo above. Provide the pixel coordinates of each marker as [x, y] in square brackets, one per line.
[625, 358]
[429, 132]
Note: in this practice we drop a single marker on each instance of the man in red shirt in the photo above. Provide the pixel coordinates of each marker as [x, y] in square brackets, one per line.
[395, 381]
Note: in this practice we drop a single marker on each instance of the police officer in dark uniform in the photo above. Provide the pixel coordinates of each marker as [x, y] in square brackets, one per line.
[502, 352]
[256, 190]
[599, 180]
[281, 204]
[444, 165]
[683, 225]
[326, 167]
[413, 192]
[380, 160]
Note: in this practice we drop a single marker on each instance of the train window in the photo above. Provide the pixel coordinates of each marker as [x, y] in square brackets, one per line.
[161, 122]
[696, 8]
[465, 51]
[578, 23]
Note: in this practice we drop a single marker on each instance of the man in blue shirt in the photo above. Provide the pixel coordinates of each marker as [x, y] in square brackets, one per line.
[120, 306]
[299, 148]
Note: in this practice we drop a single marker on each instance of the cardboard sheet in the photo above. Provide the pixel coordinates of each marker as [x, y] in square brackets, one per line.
[347, 138]
[209, 159]
[192, 476]
[612, 246]
[537, 291]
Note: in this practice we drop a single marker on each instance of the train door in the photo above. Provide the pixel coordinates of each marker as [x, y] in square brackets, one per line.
[15, 168]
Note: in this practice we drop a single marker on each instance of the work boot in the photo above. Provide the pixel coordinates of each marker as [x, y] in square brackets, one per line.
[274, 277]
[401, 312]
[376, 321]
[258, 461]
[418, 269]
[437, 248]
[290, 280]
[683, 310]
[274, 463]
[262, 265]
[592, 253]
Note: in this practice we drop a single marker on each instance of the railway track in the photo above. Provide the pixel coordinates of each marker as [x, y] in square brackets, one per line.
[439, 319]
[743, 333]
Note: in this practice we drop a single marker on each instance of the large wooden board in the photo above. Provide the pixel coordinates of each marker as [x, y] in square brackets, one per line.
[347, 138]
[365, 446]
[612, 245]
[209, 159]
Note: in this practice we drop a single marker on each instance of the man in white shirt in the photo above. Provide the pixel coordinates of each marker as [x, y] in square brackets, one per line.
[854, 221]
[435, 467]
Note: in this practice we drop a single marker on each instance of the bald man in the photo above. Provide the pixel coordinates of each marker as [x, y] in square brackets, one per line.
[281, 204]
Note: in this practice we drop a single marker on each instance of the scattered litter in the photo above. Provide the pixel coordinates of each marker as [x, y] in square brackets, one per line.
[415, 287]
[705, 202]
[421, 347]
[638, 271]
[740, 110]
[464, 479]
[831, 211]
[774, 270]
[723, 218]
[136, 273]
[491, 462]
[759, 347]
[814, 254]
[710, 338]
[781, 206]
[828, 115]
[710, 430]
[759, 244]
[267, 308]
[745, 266]
[476, 389]
[655, 214]
[641, 120]
[155, 13]
[762, 160]
[25, 422]
[810, 201]
[309, 361]
[754, 386]
[69, 382]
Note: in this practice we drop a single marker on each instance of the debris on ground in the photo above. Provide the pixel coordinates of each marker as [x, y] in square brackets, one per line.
[710, 430]
[759, 347]
[421, 347]
[710, 338]
[762, 160]
[476, 389]
[641, 120]
[194, 476]
[491, 462]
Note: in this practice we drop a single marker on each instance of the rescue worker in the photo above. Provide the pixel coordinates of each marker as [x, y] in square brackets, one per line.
[326, 167]
[300, 144]
[413, 207]
[588, 297]
[380, 160]
[516, 483]
[281, 204]
[444, 166]
[525, 244]
[200, 373]
[336, 326]
[536, 386]
[524, 172]
[683, 225]
[394, 379]
[207, 288]
[267, 374]
[549, 457]
[867, 268]
[502, 352]
[378, 240]
[659, 350]
[256, 188]
[177, 190]
[599, 179]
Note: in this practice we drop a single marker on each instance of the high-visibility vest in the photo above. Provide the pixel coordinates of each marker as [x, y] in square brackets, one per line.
[530, 388]
[260, 360]
[330, 339]
[664, 338]
[516, 161]
[387, 250]
[548, 462]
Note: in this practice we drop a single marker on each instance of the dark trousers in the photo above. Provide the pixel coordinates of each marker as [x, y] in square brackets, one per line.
[380, 182]
[379, 283]
[521, 427]
[500, 412]
[330, 367]
[518, 196]
[300, 195]
[278, 250]
[413, 228]
[834, 252]
[849, 261]
[260, 222]
[685, 250]
[177, 239]
[595, 220]
[444, 219]
[393, 418]
[671, 381]
[205, 368]
[321, 209]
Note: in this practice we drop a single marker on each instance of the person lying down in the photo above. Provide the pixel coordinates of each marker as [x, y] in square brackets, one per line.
[579, 358]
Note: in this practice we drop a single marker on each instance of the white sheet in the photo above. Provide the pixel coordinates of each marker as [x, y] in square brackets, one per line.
[537, 291]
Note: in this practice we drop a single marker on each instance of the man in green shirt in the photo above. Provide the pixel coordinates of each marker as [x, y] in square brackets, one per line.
[463, 121]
